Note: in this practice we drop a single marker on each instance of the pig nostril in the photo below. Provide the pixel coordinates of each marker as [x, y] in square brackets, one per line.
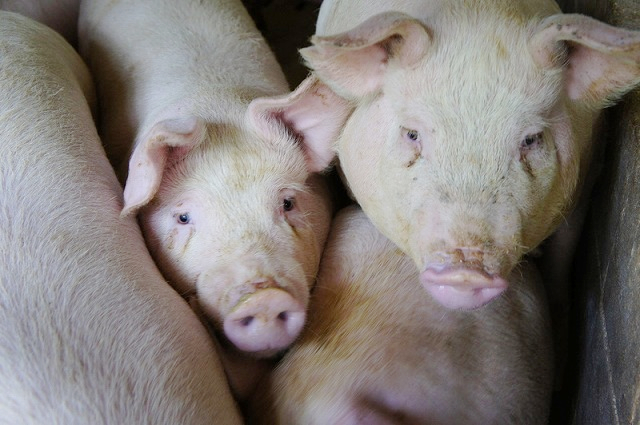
[283, 316]
[246, 321]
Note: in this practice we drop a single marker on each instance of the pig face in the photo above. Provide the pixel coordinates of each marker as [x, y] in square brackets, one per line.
[231, 220]
[469, 134]
[238, 219]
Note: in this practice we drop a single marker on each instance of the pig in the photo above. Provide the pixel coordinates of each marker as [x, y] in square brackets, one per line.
[60, 15]
[230, 195]
[470, 136]
[377, 349]
[90, 332]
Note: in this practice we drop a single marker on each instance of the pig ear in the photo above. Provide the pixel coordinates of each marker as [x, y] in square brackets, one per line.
[603, 62]
[166, 142]
[354, 62]
[312, 112]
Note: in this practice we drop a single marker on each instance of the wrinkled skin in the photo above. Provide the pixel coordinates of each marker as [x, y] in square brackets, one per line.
[469, 140]
[378, 350]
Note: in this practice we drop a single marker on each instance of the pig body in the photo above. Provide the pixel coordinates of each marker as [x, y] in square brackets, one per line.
[378, 350]
[90, 332]
[227, 192]
[469, 136]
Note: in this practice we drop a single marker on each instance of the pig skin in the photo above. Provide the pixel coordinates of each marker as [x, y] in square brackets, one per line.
[90, 332]
[378, 350]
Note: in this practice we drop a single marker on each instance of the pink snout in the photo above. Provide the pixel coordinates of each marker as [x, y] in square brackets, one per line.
[460, 287]
[265, 322]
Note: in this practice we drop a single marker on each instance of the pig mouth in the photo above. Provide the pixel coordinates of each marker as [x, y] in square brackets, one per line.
[462, 287]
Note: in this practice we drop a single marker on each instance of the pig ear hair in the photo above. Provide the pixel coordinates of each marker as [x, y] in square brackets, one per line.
[603, 61]
[167, 140]
[312, 112]
[354, 62]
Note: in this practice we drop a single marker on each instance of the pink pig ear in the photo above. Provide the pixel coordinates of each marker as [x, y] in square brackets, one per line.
[354, 63]
[312, 112]
[166, 141]
[603, 61]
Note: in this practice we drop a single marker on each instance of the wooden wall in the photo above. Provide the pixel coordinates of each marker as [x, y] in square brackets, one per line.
[603, 385]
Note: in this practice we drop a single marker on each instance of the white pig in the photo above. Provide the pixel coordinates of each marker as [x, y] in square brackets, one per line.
[90, 332]
[378, 350]
[472, 130]
[224, 187]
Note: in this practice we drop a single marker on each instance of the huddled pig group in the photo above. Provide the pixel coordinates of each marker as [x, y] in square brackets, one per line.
[171, 250]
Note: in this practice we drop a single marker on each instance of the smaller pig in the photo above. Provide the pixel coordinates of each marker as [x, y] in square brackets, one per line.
[378, 350]
[222, 171]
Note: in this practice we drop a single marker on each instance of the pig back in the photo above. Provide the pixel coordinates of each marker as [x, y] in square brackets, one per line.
[376, 346]
[89, 331]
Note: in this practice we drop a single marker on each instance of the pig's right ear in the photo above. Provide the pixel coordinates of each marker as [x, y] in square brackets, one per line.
[166, 142]
[312, 112]
[601, 62]
[354, 63]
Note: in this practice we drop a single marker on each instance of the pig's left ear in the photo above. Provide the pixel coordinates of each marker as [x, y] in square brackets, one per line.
[312, 112]
[603, 62]
[354, 63]
[166, 142]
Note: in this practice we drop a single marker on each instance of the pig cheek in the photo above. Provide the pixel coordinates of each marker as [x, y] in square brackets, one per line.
[307, 253]
[212, 299]
[168, 246]
[376, 177]
[546, 200]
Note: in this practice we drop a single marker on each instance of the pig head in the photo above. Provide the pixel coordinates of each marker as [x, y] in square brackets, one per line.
[237, 214]
[471, 129]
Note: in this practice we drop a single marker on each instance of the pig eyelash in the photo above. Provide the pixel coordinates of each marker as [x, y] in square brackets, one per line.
[183, 218]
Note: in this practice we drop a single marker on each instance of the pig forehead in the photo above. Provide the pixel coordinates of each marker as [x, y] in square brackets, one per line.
[473, 97]
[480, 67]
[248, 166]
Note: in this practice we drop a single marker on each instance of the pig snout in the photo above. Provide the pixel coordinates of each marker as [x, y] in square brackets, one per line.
[461, 281]
[265, 322]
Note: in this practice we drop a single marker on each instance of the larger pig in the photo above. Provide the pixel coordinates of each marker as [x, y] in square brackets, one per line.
[90, 332]
[379, 350]
[471, 135]
[225, 188]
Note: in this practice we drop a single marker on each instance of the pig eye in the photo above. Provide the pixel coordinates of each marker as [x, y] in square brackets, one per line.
[411, 135]
[288, 204]
[531, 141]
[183, 218]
